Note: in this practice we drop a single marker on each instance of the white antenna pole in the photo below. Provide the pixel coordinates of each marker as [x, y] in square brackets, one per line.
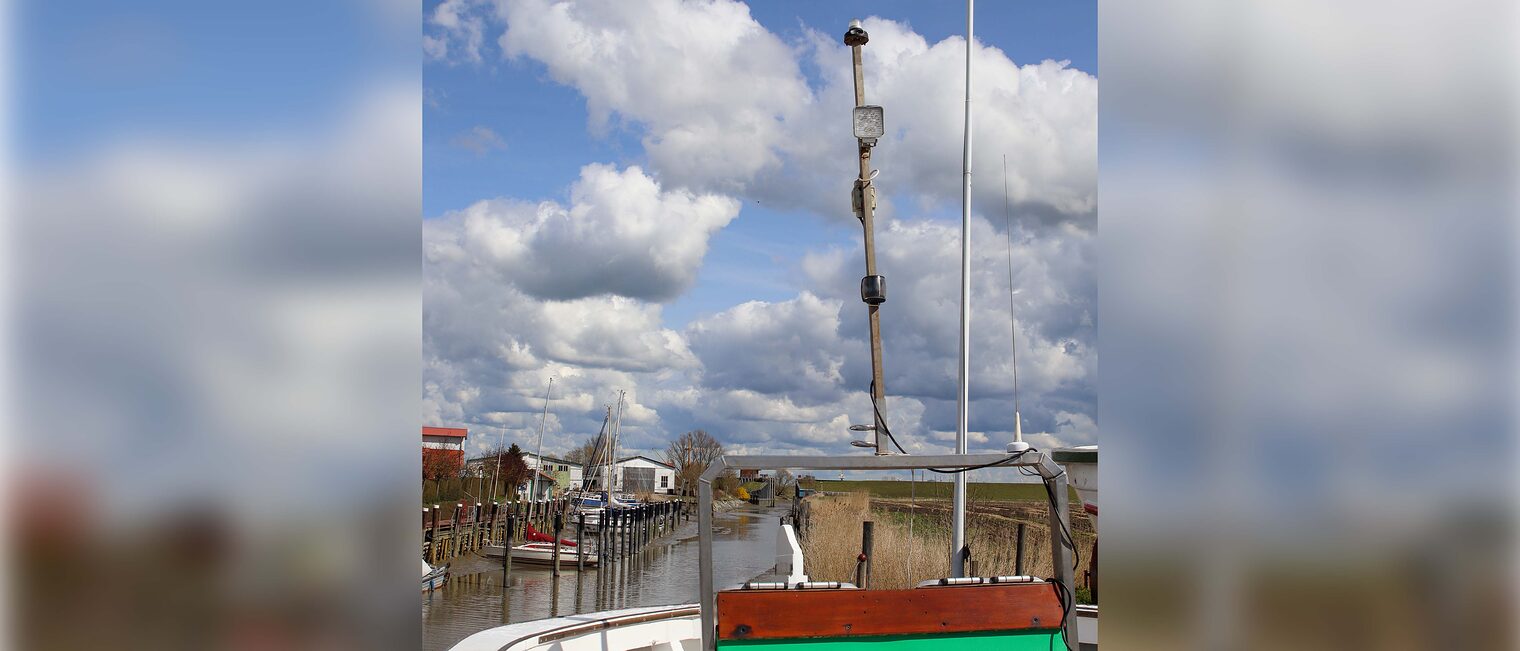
[962, 396]
[1018, 444]
[539, 455]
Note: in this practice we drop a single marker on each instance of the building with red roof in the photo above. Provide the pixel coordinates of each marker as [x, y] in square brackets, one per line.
[443, 451]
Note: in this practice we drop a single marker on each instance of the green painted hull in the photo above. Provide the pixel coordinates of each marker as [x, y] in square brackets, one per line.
[1038, 640]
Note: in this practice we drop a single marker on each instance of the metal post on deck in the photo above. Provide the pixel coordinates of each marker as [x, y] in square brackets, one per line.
[705, 557]
[1060, 554]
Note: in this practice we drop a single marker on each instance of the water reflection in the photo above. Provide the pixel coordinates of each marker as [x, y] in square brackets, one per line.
[664, 573]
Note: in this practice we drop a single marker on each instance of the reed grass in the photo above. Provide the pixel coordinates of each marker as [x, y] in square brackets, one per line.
[899, 560]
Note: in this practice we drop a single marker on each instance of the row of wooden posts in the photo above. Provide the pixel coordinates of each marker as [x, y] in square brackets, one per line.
[627, 529]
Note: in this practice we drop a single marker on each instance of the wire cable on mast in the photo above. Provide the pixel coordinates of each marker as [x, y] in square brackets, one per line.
[1013, 324]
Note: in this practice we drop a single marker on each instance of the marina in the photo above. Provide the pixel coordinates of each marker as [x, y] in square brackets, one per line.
[480, 595]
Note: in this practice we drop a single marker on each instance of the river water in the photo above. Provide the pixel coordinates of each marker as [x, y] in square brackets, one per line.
[665, 572]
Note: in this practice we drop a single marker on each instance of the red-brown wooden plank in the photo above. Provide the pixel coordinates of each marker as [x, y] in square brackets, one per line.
[775, 614]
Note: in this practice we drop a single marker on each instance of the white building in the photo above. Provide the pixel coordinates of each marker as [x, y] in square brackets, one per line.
[641, 474]
[567, 474]
[558, 474]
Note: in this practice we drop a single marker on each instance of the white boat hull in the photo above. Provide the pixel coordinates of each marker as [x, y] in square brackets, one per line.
[433, 578]
[541, 554]
[666, 628]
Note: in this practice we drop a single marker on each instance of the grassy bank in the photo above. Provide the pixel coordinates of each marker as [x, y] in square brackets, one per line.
[901, 560]
[975, 491]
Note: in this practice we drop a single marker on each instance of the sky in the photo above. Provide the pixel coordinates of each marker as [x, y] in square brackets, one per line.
[654, 197]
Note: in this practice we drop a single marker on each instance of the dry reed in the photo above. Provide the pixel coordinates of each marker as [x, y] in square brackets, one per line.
[833, 536]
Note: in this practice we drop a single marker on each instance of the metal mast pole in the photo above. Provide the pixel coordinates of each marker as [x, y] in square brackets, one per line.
[539, 454]
[612, 441]
[962, 396]
[873, 286]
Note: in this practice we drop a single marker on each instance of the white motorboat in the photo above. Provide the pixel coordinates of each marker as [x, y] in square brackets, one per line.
[433, 577]
[542, 553]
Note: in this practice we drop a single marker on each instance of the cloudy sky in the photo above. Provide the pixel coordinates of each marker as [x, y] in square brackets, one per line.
[654, 197]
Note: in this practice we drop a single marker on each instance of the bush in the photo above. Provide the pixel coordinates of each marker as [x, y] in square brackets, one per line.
[741, 493]
[1084, 596]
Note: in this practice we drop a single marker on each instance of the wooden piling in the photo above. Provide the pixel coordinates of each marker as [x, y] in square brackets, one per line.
[580, 542]
[427, 536]
[433, 547]
[1018, 550]
[506, 552]
[557, 528]
[867, 535]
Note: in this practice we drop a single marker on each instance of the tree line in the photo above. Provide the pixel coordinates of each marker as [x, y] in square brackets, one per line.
[689, 455]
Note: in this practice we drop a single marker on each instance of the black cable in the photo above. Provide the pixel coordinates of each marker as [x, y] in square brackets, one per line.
[882, 420]
[888, 431]
[1068, 598]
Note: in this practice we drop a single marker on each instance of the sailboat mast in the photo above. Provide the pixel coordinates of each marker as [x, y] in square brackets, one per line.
[617, 426]
[538, 455]
[962, 395]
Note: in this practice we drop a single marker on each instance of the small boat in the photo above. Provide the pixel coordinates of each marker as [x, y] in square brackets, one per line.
[542, 553]
[433, 578]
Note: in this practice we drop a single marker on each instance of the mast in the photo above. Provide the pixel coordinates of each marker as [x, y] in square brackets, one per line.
[617, 426]
[962, 396]
[498, 465]
[873, 287]
[539, 454]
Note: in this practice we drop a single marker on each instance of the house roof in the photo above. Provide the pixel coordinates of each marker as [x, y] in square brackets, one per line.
[450, 432]
[555, 460]
[546, 458]
[653, 461]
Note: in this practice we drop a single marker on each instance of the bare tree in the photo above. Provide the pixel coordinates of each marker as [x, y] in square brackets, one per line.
[584, 453]
[690, 455]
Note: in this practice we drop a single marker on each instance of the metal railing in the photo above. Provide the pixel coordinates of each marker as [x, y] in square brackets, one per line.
[1059, 518]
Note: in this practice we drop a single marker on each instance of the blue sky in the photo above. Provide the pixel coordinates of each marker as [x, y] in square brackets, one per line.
[740, 106]
[543, 126]
[193, 70]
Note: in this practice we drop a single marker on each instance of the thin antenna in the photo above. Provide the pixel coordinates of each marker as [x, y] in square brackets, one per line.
[1018, 444]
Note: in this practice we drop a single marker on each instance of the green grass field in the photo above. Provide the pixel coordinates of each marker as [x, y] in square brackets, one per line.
[937, 489]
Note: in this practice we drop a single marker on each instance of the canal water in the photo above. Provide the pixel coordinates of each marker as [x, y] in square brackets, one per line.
[665, 572]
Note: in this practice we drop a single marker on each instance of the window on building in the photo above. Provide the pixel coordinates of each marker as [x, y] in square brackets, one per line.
[664, 481]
